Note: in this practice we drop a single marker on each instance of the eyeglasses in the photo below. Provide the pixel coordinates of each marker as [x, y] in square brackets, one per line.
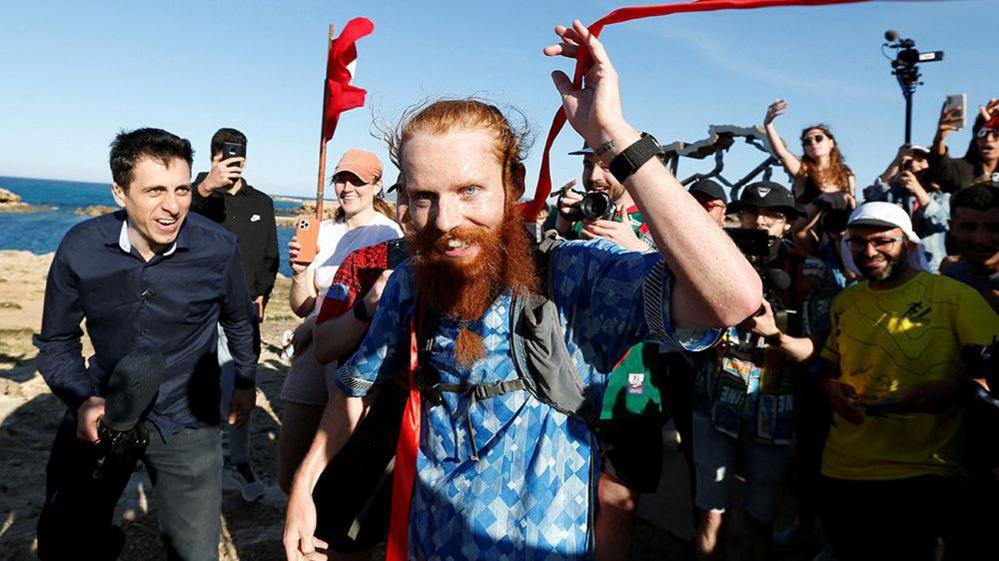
[860, 244]
[815, 138]
[983, 132]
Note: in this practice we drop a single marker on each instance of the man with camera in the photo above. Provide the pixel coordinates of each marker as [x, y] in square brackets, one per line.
[908, 183]
[499, 465]
[747, 387]
[893, 371]
[224, 196]
[149, 277]
[632, 417]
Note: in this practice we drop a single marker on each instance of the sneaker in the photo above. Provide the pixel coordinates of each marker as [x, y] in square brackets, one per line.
[249, 485]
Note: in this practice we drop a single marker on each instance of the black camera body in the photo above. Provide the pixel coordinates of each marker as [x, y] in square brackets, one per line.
[119, 449]
[595, 205]
[755, 246]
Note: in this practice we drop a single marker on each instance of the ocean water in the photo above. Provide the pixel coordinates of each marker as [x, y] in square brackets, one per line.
[40, 232]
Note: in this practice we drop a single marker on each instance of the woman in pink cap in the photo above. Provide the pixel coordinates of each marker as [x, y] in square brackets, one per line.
[363, 218]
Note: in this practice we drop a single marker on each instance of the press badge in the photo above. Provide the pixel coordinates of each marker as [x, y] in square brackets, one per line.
[636, 383]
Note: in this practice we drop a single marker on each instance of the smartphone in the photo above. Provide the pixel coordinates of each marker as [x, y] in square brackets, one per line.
[397, 252]
[233, 150]
[307, 234]
[958, 101]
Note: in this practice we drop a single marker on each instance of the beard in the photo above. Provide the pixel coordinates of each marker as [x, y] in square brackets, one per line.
[896, 267]
[464, 289]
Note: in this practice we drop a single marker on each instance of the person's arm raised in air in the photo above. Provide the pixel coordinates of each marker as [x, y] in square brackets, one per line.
[714, 284]
[790, 162]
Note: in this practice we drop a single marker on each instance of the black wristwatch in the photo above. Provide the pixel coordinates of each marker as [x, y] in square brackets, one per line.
[635, 156]
[361, 311]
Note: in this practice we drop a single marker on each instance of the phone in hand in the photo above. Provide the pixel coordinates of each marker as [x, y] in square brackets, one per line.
[307, 234]
[958, 101]
[233, 150]
[397, 252]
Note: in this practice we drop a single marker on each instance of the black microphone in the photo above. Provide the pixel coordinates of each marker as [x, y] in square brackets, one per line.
[778, 278]
[891, 35]
[131, 391]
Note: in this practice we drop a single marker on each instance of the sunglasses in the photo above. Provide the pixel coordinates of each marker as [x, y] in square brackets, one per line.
[814, 139]
[860, 244]
[983, 132]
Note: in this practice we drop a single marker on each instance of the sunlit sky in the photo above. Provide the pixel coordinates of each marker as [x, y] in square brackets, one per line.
[75, 73]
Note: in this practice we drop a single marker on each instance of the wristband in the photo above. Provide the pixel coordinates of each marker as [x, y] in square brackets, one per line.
[361, 311]
[634, 157]
[773, 340]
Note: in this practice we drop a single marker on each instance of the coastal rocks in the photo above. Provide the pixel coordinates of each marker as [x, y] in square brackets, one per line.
[289, 219]
[95, 210]
[11, 202]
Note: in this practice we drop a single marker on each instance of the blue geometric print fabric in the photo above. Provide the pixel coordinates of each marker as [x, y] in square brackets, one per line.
[529, 495]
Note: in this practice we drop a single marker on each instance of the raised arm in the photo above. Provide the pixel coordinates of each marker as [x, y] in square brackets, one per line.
[790, 162]
[714, 284]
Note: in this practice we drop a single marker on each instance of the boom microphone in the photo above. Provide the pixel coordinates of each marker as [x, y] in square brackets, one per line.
[891, 35]
[132, 389]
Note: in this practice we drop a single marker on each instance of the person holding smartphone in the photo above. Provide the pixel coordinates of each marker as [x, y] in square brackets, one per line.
[980, 162]
[223, 195]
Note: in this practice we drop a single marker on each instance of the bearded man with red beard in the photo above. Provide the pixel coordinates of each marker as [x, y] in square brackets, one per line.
[499, 472]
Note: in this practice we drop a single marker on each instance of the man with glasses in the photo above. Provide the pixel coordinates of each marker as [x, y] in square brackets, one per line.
[893, 371]
[745, 390]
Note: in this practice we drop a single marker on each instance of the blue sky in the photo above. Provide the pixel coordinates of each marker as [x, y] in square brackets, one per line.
[74, 73]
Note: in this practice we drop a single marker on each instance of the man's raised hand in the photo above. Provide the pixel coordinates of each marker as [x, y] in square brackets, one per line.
[222, 174]
[594, 110]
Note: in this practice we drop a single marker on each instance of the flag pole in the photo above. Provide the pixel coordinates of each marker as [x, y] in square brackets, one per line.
[321, 185]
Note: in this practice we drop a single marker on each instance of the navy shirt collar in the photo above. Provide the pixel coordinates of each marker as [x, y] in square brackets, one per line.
[118, 235]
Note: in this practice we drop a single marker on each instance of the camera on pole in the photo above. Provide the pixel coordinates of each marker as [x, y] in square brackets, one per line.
[905, 67]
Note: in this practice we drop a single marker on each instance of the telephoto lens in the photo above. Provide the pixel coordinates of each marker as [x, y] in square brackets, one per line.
[597, 204]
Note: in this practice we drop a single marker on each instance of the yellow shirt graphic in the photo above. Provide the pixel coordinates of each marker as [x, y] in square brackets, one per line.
[886, 341]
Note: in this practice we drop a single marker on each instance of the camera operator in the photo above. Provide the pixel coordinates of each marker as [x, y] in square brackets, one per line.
[745, 390]
[224, 196]
[975, 236]
[980, 161]
[907, 183]
[893, 370]
[631, 421]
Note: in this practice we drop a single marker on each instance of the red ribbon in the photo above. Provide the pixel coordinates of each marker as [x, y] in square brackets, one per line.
[405, 464]
[531, 209]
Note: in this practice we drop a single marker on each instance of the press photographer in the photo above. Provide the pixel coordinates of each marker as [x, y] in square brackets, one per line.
[747, 386]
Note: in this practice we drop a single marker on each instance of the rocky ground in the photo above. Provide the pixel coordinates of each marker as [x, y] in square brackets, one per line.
[29, 414]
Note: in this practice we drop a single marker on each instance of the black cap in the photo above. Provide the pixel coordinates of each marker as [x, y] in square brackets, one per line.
[710, 189]
[767, 194]
[582, 151]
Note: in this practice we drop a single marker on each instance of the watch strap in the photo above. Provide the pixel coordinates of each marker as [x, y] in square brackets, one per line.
[634, 157]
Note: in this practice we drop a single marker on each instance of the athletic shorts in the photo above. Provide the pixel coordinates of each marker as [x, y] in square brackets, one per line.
[308, 382]
[633, 451]
[354, 494]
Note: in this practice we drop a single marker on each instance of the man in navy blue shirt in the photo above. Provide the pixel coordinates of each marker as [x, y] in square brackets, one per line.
[148, 278]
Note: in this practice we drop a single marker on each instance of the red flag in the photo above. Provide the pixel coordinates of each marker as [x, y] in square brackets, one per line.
[340, 94]
[531, 209]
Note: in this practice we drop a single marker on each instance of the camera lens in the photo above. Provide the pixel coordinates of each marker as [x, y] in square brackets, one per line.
[596, 205]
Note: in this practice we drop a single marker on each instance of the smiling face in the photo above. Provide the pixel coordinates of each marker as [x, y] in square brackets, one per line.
[354, 194]
[817, 143]
[597, 177]
[880, 254]
[456, 190]
[157, 202]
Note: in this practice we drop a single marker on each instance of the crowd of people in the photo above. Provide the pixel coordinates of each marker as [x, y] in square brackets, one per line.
[473, 383]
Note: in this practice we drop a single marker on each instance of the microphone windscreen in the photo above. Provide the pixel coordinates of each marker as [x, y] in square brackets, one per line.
[891, 35]
[778, 279]
[132, 387]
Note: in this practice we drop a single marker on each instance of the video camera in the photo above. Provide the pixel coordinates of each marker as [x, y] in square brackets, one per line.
[905, 67]
[755, 245]
[131, 392]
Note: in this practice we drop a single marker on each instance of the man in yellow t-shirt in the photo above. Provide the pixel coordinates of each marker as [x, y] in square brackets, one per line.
[898, 387]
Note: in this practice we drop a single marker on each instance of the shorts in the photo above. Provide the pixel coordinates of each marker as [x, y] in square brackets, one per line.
[633, 451]
[716, 455]
[308, 382]
[354, 494]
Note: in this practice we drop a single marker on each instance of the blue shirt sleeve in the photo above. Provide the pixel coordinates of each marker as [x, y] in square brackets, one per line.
[236, 318]
[385, 350]
[60, 351]
[612, 299]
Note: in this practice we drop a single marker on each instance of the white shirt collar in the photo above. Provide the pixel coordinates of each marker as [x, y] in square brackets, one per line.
[126, 244]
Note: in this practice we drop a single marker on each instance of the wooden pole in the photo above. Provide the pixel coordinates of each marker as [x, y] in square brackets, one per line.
[321, 185]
